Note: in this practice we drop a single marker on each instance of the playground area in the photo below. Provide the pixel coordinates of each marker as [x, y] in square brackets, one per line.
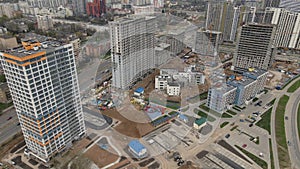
[154, 111]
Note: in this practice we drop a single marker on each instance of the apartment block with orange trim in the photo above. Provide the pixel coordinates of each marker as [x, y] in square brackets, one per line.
[41, 76]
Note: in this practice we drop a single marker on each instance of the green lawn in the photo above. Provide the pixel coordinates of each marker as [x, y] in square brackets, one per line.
[283, 155]
[294, 87]
[225, 115]
[265, 121]
[4, 106]
[257, 160]
[2, 78]
[224, 124]
[271, 154]
[204, 107]
[272, 102]
[205, 115]
[233, 128]
[231, 112]
[203, 96]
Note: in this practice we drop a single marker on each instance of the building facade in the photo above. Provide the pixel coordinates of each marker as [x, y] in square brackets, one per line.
[132, 49]
[44, 22]
[238, 90]
[255, 46]
[96, 8]
[42, 79]
[288, 27]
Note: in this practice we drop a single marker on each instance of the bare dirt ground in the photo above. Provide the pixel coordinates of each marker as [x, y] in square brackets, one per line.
[65, 158]
[147, 83]
[128, 127]
[100, 157]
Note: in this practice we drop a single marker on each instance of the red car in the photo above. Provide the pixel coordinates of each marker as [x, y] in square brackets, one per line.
[244, 145]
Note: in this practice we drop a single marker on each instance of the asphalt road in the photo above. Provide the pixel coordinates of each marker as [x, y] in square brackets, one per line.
[8, 128]
[291, 130]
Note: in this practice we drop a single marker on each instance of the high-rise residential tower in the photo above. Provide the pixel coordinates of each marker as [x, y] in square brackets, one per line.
[132, 49]
[224, 17]
[42, 79]
[255, 46]
[288, 27]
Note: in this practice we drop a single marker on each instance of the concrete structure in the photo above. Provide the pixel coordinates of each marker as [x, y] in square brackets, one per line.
[199, 123]
[79, 7]
[143, 10]
[132, 49]
[77, 48]
[161, 82]
[162, 54]
[141, 2]
[292, 5]
[5, 96]
[207, 42]
[42, 79]
[137, 149]
[96, 8]
[9, 10]
[172, 80]
[44, 22]
[224, 17]
[237, 90]
[255, 46]
[173, 89]
[219, 98]
[288, 27]
[157, 3]
[47, 3]
[7, 42]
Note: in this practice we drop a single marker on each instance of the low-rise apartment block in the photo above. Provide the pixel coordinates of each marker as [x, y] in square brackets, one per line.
[237, 90]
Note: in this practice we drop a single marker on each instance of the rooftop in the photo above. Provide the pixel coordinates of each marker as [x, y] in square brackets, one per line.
[32, 44]
[136, 146]
[243, 81]
[200, 121]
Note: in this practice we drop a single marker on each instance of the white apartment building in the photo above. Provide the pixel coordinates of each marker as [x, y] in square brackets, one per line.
[173, 89]
[132, 49]
[42, 79]
[288, 27]
[161, 82]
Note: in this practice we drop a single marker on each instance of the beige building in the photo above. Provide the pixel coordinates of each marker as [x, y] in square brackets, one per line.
[44, 22]
[5, 96]
[7, 42]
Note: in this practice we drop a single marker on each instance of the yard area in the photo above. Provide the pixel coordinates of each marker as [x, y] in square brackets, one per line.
[265, 120]
[283, 155]
[127, 127]
[294, 87]
[100, 157]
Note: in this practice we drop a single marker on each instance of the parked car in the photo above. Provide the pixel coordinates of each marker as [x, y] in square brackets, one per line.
[242, 120]
[9, 118]
[286, 117]
[250, 125]
[227, 136]
[244, 145]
